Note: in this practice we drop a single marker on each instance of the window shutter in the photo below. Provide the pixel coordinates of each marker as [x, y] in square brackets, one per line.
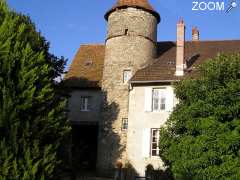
[146, 142]
[170, 99]
[148, 99]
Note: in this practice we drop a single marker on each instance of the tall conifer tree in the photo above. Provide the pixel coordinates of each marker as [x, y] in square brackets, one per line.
[33, 124]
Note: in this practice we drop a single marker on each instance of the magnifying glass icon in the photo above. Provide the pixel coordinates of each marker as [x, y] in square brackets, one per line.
[232, 5]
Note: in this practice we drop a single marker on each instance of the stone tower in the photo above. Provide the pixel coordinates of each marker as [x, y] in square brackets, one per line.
[130, 45]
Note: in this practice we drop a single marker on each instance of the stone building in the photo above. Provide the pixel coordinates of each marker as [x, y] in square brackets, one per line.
[121, 91]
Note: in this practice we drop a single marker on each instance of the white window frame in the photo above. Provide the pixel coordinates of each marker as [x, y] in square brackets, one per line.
[124, 124]
[85, 103]
[162, 96]
[127, 75]
[155, 141]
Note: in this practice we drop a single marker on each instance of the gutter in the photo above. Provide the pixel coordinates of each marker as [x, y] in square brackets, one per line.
[156, 81]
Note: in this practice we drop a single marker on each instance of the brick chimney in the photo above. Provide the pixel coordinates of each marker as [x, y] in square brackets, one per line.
[180, 54]
[195, 34]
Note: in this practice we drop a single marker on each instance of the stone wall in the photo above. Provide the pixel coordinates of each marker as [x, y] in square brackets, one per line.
[136, 21]
[130, 45]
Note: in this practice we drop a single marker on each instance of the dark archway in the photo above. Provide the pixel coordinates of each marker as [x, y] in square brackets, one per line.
[84, 147]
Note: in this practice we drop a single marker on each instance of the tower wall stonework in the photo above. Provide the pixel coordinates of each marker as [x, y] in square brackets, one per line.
[130, 45]
[136, 21]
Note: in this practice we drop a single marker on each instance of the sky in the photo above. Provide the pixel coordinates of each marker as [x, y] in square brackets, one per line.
[67, 24]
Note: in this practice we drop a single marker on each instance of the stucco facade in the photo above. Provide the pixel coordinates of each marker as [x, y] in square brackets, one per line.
[141, 121]
[93, 116]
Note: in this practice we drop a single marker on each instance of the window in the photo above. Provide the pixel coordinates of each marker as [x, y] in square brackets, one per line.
[159, 99]
[85, 104]
[155, 133]
[88, 63]
[126, 32]
[124, 124]
[127, 74]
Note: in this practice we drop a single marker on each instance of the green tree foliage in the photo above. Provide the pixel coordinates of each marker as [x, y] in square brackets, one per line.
[201, 139]
[33, 124]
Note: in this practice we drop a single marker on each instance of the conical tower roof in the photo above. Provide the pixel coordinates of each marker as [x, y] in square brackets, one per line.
[141, 4]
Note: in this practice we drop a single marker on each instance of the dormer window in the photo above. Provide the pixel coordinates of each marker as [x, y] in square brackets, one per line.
[171, 62]
[88, 63]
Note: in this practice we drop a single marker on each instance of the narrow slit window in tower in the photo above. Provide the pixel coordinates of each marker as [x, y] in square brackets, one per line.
[126, 32]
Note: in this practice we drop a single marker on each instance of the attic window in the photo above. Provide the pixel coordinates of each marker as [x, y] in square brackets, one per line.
[88, 63]
[171, 62]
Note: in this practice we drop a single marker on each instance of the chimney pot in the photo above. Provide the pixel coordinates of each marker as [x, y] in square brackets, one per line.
[181, 21]
[195, 34]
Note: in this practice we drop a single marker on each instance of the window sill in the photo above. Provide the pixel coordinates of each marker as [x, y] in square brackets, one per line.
[152, 158]
[160, 112]
[84, 110]
[155, 157]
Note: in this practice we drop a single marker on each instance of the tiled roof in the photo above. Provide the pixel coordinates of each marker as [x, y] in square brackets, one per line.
[87, 67]
[163, 68]
[142, 4]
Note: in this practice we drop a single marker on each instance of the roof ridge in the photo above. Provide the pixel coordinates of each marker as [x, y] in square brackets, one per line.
[97, 44]
[223, 40]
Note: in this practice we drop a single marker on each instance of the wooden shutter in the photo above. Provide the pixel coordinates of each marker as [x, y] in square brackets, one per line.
[148, 99]
[170, 99]
[146, 135]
